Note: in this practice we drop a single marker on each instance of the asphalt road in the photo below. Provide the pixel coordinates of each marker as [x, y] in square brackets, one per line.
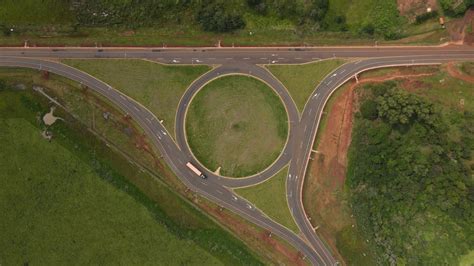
[303, 127]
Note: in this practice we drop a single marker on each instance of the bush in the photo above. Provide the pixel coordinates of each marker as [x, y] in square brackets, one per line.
[368, 29]
[214, 17]
[368, 109]
[258, 5]
[455, 8]
[318, 10]
[3, 85]
[426, 16]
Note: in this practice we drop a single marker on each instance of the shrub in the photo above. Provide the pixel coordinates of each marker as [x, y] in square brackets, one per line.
[368, 109]
[455, 8]
[214, 17]
[426, 16]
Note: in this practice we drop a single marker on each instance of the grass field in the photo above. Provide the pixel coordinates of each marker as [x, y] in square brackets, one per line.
[237, 123]
[56, 210]
[70, 201]
[158, 87]
[301, 80]
[270, 197]
[447, 91]
[35, 12]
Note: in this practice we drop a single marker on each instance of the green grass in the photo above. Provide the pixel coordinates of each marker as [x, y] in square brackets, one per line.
[52, 23]
[301, 80]
[72, 196]
[188, 35]
[468, 259]
[57, 210]
[237, 123]
[158, 87]
[163, 187]
[35, 12]
[270, 197]
[353, 247]
[468, 68]
[447, 91]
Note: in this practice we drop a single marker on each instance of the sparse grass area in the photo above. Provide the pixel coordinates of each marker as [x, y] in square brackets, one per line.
[449, 92]
[301, 80]
[158, 87]
[71, 197]
[468, 68]
[237, 123]
[270, 197]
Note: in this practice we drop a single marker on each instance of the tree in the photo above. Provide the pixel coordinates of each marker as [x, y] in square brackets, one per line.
[318, 10]
[214, 17]
[368, 109]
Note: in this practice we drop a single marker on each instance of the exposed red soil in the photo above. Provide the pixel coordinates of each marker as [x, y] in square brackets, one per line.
[457, 28]
[328, 171]
[413, 8]
[455, 73]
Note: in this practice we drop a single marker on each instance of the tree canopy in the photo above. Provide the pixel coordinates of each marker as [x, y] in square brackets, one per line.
[411, 184]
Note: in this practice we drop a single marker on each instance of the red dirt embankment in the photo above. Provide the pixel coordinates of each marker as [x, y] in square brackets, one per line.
[455, 73]
[324, 200]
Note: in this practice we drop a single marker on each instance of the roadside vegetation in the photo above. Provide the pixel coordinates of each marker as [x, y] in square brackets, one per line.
[158, 87]
[410, 170]
[204, 23]
[328, 196]
[270, 197]
[237, 124]
[302, 80]
[68, 194]
[122, 136]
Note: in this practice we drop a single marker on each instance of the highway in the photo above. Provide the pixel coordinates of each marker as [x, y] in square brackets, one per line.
[303, 127]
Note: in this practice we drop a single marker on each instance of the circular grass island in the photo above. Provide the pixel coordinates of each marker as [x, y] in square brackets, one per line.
[238, 124]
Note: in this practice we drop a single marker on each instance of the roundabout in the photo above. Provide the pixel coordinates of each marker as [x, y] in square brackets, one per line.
[236, 125]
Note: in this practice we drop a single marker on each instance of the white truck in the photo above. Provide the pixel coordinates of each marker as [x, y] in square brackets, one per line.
[195, 170]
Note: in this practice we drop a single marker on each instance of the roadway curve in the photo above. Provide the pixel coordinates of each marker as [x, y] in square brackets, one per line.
[256, 72]
[302, 133]
[176, 159]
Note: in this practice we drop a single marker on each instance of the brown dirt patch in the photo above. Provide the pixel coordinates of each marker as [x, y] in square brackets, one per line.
[128, 33]
[457, 28]
[323, 188]
[454, 72]
[413, 8]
